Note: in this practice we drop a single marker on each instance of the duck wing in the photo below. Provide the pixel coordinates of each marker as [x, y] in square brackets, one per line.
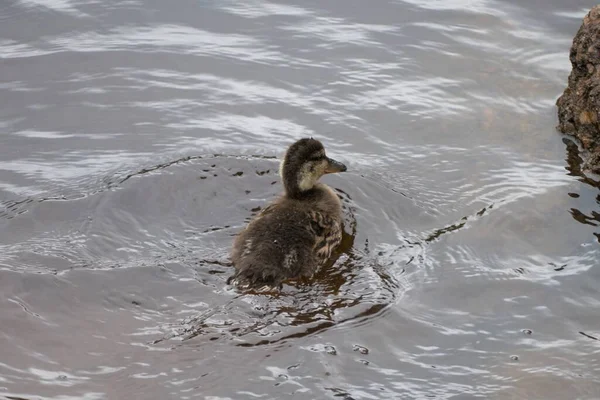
[327, 232]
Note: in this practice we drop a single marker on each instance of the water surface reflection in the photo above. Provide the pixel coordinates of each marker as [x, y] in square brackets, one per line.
[140, 136]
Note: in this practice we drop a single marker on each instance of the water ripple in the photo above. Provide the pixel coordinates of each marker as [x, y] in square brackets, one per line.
[140, 136]
[337, 31]
[65, 6]
[261, 9]
[161, 38]
[472, 6]
[427, 97]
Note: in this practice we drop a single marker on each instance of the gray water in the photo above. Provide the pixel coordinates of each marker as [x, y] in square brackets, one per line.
[138, 136]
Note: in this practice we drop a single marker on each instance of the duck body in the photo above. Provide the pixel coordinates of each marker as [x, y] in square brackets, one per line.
[297, 233]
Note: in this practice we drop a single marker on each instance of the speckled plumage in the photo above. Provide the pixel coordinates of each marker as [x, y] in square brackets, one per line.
[297, 233]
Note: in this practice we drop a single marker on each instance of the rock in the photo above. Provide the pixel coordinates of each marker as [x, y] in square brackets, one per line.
[579, 105]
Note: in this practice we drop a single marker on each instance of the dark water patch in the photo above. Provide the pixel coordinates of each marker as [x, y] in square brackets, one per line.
[588, 336]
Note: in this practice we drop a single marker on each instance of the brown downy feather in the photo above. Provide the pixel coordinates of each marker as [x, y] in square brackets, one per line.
[297, 233]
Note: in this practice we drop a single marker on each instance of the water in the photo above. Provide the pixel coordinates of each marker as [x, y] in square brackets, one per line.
[139, 136]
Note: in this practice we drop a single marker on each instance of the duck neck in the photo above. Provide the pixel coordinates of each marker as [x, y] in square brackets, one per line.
[292, 187]
[297, 181]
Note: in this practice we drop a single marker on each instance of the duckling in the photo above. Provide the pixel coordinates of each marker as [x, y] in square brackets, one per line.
[296, 234]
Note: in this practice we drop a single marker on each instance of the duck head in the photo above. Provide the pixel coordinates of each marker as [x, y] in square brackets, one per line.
[304, 163]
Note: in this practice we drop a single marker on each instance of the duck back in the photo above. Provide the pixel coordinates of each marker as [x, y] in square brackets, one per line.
[290, 238]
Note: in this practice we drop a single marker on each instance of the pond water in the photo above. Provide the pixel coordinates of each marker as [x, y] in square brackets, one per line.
[138, 136]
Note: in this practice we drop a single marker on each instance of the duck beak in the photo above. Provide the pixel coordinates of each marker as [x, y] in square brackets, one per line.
[334, 166]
